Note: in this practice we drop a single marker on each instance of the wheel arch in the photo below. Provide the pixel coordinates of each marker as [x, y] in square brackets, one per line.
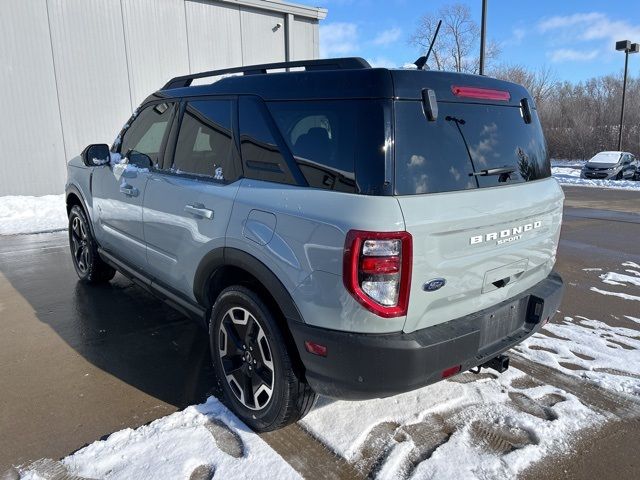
[227, 266]
[74, 197]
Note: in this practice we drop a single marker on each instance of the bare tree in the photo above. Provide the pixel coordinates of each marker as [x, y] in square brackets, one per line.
[540, 82]
[458, 43]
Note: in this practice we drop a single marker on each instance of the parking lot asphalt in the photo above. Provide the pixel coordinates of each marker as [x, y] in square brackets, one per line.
[78, 363]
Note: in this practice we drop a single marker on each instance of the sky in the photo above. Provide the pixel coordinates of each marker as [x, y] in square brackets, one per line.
[576, 38]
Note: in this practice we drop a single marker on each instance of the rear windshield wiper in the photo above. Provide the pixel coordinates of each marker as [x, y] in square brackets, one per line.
[493, 171]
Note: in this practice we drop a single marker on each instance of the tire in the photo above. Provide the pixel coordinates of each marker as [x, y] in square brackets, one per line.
[84, 250]
[251, 359]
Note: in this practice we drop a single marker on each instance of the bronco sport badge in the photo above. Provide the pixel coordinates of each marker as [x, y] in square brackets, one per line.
[506, 236]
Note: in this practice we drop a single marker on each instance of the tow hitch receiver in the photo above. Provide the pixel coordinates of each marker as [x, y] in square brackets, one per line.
[499, 363]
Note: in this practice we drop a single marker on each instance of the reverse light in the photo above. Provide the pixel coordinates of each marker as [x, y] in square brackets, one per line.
[377, 270]
[481, 93]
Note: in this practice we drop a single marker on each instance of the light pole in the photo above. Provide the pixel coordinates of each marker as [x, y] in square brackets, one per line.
[483, 34]
[627, 47]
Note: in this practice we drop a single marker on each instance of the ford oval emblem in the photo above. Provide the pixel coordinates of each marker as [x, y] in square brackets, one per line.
[433, 285]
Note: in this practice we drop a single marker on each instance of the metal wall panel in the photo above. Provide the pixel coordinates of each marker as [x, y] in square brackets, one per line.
[156, 41]
[73, 70]
[32, 151]
[303, 46]
[262, 40]
[91, 70]
[213, 31]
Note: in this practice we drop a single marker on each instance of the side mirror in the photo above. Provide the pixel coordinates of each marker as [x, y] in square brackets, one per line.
[96, 155]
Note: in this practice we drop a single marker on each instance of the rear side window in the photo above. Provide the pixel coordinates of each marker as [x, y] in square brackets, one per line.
[147, 131]
[447, 155]
[262, 157]
[205, 141]
[338, 145]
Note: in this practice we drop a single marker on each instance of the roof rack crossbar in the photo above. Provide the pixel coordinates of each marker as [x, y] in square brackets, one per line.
[350, 63]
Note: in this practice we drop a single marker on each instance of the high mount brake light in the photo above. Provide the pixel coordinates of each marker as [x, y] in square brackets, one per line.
[377, 270]
[481, 93]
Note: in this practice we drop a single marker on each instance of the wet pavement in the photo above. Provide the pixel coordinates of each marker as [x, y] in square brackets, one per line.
[78, 363]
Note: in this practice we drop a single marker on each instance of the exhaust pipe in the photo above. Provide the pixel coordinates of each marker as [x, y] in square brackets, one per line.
[499, 363]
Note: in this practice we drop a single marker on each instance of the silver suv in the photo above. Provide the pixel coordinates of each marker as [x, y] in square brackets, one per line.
[338, 229]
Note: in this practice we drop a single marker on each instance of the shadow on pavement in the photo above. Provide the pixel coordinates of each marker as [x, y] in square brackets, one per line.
[117, 327]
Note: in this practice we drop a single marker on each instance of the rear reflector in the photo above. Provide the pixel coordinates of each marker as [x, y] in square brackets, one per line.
[315, 348]
[481, 93]
[451, 371]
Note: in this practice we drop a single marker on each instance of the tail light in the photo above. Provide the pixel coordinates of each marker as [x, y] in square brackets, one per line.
[481, 93]
[377, 270]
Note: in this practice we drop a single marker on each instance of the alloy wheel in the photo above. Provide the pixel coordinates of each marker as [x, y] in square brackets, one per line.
[246, 358]
[80, 244]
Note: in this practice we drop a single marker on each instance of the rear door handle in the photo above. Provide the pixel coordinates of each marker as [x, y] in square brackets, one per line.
[129, 190]
[198, 210]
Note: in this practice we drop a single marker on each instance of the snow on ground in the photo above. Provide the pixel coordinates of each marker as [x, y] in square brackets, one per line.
[23, 214]
[568, 173]
[629, 279]
[485, 426]
[591, 349]
[192, 444]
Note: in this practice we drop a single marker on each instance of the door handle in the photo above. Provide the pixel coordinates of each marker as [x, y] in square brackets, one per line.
[199, 211]
[129, 190]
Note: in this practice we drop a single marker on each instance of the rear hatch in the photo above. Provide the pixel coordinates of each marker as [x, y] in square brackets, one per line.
[475, 188]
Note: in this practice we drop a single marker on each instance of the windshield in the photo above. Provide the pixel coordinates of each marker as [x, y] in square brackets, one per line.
[606, 157]
[469, 146]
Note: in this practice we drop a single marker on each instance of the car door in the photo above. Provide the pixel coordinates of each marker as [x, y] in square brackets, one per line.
[627, 166]
[119, 188]
[188, 203]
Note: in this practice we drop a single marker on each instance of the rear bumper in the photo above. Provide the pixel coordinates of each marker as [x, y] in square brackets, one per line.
[361, 366]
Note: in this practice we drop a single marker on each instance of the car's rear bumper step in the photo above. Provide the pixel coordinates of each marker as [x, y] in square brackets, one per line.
[360, 366]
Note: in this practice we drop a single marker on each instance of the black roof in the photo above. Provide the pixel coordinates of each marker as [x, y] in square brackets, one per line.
[350, 78]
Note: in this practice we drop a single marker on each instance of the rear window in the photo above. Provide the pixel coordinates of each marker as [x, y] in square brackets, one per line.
[444, 155]
[338, 145]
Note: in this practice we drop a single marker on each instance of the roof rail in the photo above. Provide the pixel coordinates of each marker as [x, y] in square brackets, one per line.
[349, 63]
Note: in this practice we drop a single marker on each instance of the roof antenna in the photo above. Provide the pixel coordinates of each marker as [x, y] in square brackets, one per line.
[422, 61]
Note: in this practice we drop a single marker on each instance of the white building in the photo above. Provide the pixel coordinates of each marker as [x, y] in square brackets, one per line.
[72, 71]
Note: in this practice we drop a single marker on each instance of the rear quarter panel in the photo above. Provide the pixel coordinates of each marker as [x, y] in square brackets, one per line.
[306, 249]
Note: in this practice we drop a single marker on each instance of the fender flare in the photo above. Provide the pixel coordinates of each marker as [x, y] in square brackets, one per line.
[76, 191]
[228, 256]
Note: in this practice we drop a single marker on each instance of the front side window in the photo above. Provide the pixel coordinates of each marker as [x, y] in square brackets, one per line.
[147, 131]
[205, 141]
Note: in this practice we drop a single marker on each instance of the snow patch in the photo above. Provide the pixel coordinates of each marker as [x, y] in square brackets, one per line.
[174, 447]
[619, 279]
[591, 349]
[25, 214]
[468, 427]
[624, 296]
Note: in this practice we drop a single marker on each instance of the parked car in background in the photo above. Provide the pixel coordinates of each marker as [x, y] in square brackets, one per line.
[611, 166]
